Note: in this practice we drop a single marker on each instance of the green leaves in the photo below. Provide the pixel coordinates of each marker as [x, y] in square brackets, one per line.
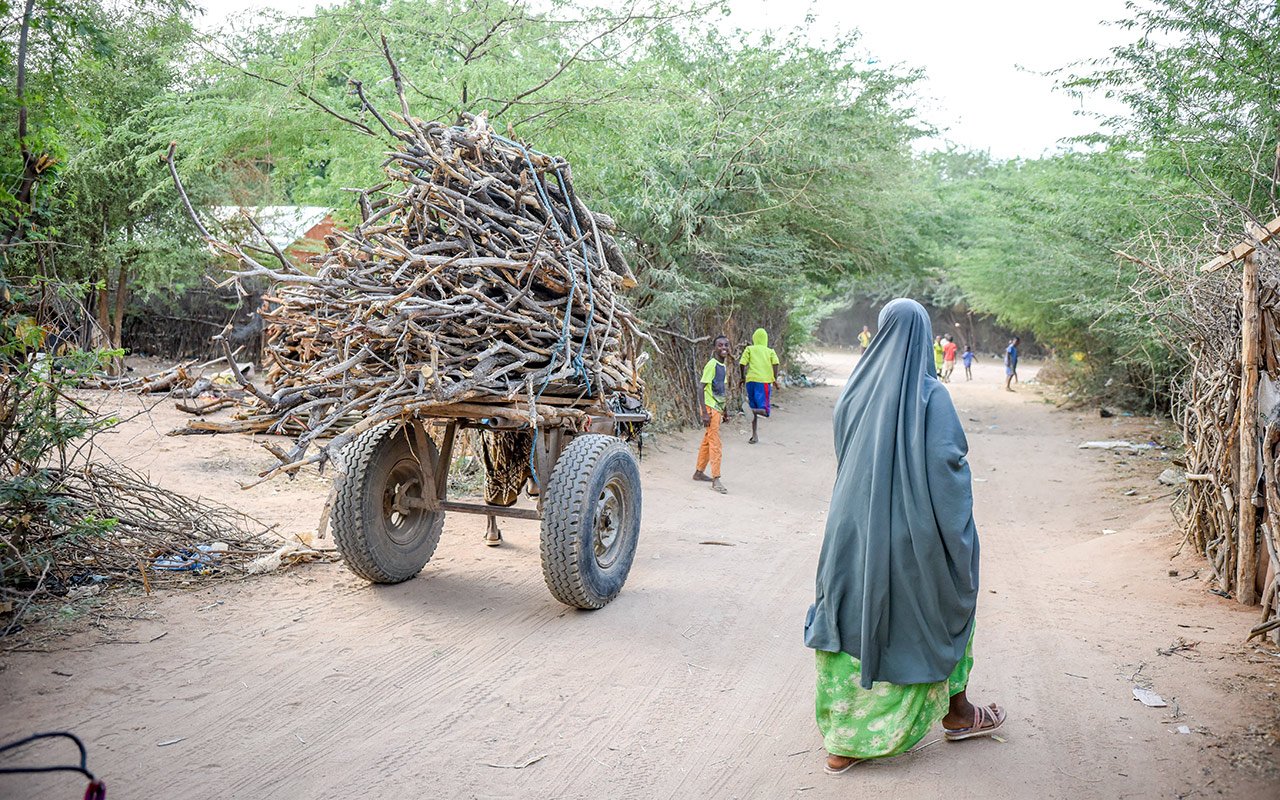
[734, 167]
[1202, 91]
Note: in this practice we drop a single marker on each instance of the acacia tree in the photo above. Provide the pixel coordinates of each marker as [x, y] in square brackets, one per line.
[87, 225]
[1063, 246]
[748, 175]
[1201, 90]
[704, 144]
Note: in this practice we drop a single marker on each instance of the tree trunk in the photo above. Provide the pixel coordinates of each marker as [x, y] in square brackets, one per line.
[101, 312]
[122, 296]
[31, 164]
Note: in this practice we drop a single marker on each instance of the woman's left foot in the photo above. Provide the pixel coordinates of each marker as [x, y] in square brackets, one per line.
[986, 720]
[837, 765]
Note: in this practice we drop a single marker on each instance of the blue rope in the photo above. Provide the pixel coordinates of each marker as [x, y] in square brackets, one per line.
[579, 366]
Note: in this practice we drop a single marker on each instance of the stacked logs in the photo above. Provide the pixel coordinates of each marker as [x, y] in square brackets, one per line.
[476, 283]
[1230, 416]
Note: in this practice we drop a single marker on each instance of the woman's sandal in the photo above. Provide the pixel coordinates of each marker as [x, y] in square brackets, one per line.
[986, 721]
[830, 770]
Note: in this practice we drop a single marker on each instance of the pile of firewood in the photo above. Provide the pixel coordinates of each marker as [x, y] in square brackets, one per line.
[476, 277]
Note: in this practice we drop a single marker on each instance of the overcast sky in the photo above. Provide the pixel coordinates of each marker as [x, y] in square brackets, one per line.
[982, 58]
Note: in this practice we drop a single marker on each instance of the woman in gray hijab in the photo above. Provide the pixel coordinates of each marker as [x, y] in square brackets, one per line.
[897, 581]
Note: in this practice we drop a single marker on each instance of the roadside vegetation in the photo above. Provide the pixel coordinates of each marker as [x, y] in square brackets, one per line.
[757, 178]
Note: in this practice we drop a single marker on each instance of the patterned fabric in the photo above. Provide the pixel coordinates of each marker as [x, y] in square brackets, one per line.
[886, 719]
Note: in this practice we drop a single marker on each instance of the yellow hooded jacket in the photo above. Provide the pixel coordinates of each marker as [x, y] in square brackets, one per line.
[759, 358]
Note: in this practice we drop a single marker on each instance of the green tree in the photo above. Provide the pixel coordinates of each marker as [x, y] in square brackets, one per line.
[1201, 91]
[96, 222]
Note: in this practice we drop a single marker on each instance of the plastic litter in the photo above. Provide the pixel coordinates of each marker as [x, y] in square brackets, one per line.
[201, 560]
[1148, 698]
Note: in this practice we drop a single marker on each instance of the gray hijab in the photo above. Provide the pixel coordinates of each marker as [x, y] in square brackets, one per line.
[898, 575]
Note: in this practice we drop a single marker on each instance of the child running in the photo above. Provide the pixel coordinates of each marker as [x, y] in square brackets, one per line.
[758, 368]
[948, 356]
[711, 400]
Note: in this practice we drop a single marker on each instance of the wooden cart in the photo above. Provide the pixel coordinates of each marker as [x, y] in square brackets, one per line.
[391, 498]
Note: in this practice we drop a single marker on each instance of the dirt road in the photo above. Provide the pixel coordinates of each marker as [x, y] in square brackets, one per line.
[472, 682]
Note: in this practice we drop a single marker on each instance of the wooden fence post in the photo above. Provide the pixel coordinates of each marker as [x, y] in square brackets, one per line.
[1246, 534]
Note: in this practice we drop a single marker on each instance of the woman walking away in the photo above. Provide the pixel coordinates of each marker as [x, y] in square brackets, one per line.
[897, 581]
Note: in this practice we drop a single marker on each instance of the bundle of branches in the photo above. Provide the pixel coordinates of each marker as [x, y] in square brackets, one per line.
[1207, 408]
[475, 277]
[70, 527]
[178, 380]
[191, 381]
[1231, 330]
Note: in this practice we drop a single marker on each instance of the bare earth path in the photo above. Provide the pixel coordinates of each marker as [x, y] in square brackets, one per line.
[695, 682]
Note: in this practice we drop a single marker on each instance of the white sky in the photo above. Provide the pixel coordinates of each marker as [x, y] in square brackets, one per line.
[980, 58]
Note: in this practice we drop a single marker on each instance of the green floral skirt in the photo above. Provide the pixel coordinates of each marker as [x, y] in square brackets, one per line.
[886, 719]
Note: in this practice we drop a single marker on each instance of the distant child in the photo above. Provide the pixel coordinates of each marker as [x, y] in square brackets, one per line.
[967, 357]
[758, 368]
[937, 355]
[712, 402]
[1011, 363]
[864, 338]
[949, 348]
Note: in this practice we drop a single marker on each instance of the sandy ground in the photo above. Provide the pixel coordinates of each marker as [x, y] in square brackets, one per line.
[694, 683]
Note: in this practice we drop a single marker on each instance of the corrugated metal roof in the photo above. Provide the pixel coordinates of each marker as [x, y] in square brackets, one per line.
[283, 225]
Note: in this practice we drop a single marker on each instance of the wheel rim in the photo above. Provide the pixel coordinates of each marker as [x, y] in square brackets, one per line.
[610, 524]
[401, 523]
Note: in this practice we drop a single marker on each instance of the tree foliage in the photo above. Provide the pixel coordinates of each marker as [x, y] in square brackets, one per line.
[757, 176]
[742, 170]
[1062, 246]
[93, 226]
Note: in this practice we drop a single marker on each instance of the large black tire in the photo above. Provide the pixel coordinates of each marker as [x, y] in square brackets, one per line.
[590, 521]
[379, 542]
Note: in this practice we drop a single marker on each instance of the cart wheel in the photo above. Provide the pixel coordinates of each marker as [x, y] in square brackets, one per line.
[381, 540]
[590, 521]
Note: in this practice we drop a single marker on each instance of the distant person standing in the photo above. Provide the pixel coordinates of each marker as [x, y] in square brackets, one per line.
[1011, 363]
[967, 358]
[712, 401]
[937, 355]
[949, 349]
[758, 369]
[864, 338]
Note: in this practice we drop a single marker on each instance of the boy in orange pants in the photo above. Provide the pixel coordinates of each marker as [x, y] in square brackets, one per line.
[712, 401]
